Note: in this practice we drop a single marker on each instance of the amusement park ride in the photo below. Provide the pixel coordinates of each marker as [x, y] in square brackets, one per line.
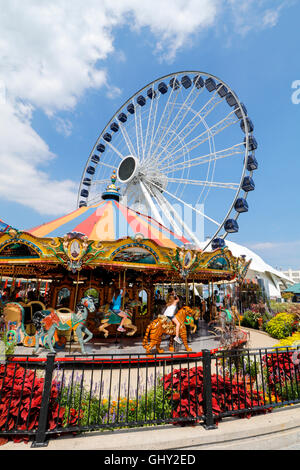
[184, 140]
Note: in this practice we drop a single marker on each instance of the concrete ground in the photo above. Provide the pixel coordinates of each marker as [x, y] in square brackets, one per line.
[202, 339]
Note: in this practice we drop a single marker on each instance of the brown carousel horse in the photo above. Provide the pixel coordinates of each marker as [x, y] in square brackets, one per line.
[111, 318]
[163, 326]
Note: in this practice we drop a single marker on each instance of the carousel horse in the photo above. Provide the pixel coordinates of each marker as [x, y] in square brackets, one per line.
[190, 320]
[225, 327]
[164, 326]
[48, 321]
[112, 318]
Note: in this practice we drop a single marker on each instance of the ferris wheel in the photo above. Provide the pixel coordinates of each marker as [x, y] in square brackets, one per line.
[183, 150]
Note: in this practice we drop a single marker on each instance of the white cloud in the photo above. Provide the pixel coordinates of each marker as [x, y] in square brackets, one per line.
[63, 126]
[285, 254]
[22, 154]
[292, 245]
[52, 52]
[256, 15]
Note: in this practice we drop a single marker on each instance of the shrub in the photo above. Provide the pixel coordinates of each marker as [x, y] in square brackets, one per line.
[250, 319]
[280, 373]
[281, 326]
[85, 409]
[290, 340]
[185, 388]
[21, 397]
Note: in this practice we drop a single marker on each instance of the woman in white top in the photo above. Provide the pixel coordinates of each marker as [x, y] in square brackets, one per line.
[170, 313]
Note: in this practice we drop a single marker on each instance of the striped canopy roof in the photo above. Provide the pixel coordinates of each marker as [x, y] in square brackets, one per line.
[3, 226]
[109, 221]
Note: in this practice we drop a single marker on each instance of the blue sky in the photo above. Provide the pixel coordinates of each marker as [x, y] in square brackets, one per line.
[57, 96]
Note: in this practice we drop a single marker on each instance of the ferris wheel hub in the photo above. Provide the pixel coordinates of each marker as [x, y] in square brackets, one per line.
[128, 169]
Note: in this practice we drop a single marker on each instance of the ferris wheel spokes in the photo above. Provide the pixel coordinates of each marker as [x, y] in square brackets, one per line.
[197, 141]
[236, 149]
[209, 106]
[181, 114]
[127, 140]
[187, 205]
[171, 214]
[212, 184]
[114, 149]
[159, 126]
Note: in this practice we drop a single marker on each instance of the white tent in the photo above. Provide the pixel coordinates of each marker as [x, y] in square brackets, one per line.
[260, 270]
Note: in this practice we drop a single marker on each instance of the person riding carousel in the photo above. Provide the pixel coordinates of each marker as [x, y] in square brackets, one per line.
[115, 306]
[170, 311]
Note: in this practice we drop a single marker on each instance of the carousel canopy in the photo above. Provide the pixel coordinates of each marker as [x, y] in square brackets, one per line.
[109, 220]
[3, 226]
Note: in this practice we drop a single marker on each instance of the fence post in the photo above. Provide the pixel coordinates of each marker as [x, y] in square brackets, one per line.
[40, 437]
[209, 422]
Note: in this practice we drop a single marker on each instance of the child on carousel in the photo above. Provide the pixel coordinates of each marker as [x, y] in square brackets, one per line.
[115, 306]
[170, 313]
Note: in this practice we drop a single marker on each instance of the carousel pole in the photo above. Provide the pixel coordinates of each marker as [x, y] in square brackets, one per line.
[75, 301]
[210, 302]
[13, 281]
[147, 303]
[123, 300]
[124, 284]
[193, 292]
[186, 292]
[76, 291]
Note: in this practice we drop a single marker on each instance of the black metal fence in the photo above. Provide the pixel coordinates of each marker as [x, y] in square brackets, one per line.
[40, 398]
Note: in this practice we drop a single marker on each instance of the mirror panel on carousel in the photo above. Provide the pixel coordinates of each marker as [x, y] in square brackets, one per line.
[63, 298]
[142, 311]
[93, 320]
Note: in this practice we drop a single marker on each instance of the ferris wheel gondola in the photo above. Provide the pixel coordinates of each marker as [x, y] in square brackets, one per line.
[182, 149]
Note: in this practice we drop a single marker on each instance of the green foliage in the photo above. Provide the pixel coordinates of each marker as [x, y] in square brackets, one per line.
[84, 409]
[243, 366]
[9, 346]
[288, 391]
[250, 319]
[281, 326]
[288, 307]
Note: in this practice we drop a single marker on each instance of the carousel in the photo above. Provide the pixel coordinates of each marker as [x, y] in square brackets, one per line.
[90, 262]
[131, 236]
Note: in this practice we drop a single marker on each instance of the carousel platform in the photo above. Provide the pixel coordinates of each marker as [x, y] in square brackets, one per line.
[123, 344]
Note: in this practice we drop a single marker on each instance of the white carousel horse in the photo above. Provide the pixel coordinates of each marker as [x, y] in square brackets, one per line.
[48, 321]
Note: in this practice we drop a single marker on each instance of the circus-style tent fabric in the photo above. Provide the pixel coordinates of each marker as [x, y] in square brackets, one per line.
[3, 226]
[109, 221]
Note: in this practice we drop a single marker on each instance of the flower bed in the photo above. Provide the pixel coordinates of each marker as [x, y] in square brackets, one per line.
[21, 397]
[282, 325]
[185, 388]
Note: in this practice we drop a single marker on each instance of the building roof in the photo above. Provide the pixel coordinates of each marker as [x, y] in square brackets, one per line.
[257, 264]
[295, 289]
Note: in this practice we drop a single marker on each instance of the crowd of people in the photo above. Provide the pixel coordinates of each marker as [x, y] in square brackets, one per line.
[209, 305]
[21, 294]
